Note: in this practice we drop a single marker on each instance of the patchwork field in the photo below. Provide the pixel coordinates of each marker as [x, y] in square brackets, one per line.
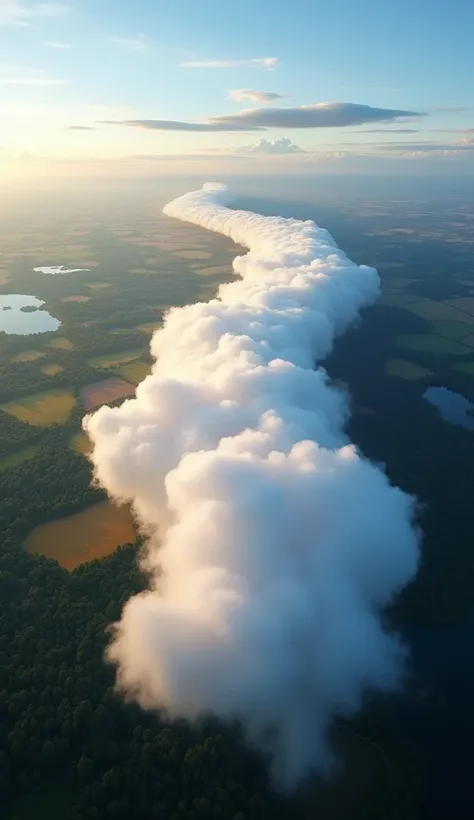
[406, 370]
[431, 310]
[92, 533]
[106, 390]
[61, 344]
[466, 367]
[42, 409]
[115, 359]
[18, 457]
[28, 356]
[193, 254]
[135, 372]
[452, 330]
[80, 443]
[465, 303]
[213, 270]
[397, 299]
[97, 285]
[51, 369]
[432, 344]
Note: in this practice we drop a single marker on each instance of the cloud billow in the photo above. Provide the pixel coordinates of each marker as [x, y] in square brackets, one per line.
[273, 545]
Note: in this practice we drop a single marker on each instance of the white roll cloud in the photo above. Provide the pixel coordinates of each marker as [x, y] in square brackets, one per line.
[273, 545]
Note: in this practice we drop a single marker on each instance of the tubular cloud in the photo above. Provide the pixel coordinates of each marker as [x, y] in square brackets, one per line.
[273, 545]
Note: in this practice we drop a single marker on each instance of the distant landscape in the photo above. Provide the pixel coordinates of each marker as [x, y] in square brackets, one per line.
[68, 556]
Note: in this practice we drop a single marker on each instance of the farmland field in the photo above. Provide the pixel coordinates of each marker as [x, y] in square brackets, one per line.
[432, 344]
[106, 390]
[18, 457]
[115, 359]
[28, 356]
[135, 372]
[406, 370]
[51, 369]
[92, 533]
[42, 409]
[61, 344]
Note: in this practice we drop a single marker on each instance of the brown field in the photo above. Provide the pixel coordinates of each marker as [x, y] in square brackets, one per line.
[97, 285]
[193, 254]
[42, 409]
[4, 276]
[430, 309]
[92, 533]
[28, 356]
[76, 298]
[213, 270]
[61, 344]
[465, 303]
[106, 390]
[51, 369]
[143, 271]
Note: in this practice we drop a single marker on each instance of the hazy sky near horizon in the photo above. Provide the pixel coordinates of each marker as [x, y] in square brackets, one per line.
[272, 86]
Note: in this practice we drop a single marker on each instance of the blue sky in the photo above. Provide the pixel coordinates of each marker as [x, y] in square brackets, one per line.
[145, 81]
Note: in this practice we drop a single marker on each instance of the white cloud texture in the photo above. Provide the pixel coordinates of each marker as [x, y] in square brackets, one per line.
[281, 146]
[252, 95]
[273, 545]
[21, 12]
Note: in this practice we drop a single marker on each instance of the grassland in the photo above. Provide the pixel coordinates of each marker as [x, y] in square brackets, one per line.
[193, 254]
[441, 311]
[406, 370]
[397, 299]
[134, 372]
[28, 356]
[51, 369]
[458, 331]
[18, 457]
[61, 343]
[430, 343]
[92, 533]
[465, 367]
[213, 270]
[97, 285]
[110, 360]
[42, 409]
[80, 443]
[465, 303]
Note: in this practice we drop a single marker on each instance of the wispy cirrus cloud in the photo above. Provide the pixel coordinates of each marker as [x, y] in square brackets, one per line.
[252, 95]
[138, 43]
[25, 75]
[319, 115]
[22, 12]
[80, 128]
[452, 108]
[264, 63]
[386, 131]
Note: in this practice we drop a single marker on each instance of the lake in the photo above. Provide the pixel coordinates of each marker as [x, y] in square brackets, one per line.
[453, 407]
[14, 318]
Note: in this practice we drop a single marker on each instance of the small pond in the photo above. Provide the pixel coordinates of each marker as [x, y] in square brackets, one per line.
[453, 407]
[20, 314]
